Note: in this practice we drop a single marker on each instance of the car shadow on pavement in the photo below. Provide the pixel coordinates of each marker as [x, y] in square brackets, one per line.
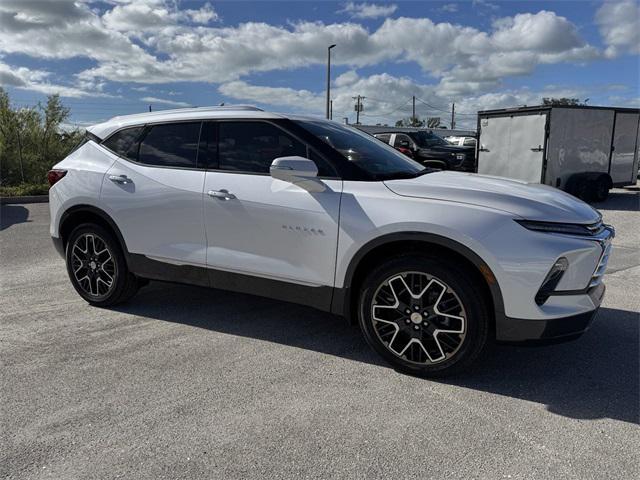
[594, 377]
[627, 201]
[12, 214]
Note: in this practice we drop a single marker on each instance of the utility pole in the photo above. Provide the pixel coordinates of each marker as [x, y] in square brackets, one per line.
[413, 116]
[149, 107]
[329, 77]
[358, 107]
[453, 116]
[331, 110]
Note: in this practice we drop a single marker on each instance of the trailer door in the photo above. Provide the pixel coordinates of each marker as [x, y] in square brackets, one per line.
[624, 155]
[493, 150]
[513, 146]
[579, 141]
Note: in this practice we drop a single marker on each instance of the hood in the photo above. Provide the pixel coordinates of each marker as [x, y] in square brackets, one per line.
[530, 201]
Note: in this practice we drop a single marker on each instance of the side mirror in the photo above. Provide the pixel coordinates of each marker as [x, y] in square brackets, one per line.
[293, 169]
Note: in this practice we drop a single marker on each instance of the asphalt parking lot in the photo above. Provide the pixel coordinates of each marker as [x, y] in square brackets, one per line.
[184, 382]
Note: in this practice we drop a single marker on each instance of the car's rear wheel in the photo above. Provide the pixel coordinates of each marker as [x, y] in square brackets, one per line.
[424, 315]
[97, 267]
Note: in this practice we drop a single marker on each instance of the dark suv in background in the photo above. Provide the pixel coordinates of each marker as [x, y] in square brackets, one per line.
[431, 150]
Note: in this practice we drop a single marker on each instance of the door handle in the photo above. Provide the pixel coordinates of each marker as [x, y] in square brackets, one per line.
[537, 149]
[221, 194]
[120, 179]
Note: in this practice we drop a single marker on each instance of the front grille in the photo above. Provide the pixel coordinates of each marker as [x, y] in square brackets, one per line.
[596, 278]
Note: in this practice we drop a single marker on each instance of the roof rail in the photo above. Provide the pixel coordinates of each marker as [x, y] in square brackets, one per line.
[232, 107]
[190, 109]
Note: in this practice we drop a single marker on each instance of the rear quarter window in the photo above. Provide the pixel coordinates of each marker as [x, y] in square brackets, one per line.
[125, 142]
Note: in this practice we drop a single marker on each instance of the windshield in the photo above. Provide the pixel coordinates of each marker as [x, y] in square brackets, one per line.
[366, 151]
[427, 139]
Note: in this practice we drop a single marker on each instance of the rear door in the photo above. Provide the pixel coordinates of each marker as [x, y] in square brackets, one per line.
[153, 191]
[513, 146]
[624, 156]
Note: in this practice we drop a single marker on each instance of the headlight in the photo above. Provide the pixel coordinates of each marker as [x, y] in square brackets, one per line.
[566, 228]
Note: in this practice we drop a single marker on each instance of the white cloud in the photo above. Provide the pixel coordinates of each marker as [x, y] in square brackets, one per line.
[36, 80]
[485, 4]
[619, 24]
[449, 8]
[203, 15]
[282, 96]
[465, 60]
[142, 16]
[388, 98]
[368, 10]
[165, 101]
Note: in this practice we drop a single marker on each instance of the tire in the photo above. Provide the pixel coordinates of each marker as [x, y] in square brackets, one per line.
[601, 189]
[446, 328]
[93, 257]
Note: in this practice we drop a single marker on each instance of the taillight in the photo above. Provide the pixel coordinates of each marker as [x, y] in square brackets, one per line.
[54, 176]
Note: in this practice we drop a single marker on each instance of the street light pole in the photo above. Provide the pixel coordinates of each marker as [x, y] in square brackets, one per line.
[329, 77]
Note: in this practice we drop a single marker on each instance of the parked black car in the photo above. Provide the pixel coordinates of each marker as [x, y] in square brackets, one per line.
[431, 150]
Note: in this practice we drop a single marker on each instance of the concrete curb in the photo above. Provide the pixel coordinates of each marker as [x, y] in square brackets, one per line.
[27, 199]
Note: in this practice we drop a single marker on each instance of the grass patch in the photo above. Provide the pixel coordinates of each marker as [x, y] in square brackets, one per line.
[24, 190]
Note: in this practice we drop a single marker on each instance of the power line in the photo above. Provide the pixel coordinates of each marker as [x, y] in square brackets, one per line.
[387, 113]
[443, 110]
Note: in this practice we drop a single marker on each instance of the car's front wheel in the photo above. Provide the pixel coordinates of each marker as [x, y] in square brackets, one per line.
[424, 314]
[97, 267]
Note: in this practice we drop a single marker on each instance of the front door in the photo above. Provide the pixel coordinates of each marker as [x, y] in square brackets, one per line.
[263, 227]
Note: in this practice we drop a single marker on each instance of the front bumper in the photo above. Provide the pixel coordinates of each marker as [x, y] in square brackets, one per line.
[555, 330]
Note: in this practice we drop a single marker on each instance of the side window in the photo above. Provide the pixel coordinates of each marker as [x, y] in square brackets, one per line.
[385, 137]
[252, 146]
[402, 141]
[124, 142]
[171, 145]
[469, 142]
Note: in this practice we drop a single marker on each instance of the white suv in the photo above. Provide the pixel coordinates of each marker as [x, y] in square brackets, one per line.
[431, 264]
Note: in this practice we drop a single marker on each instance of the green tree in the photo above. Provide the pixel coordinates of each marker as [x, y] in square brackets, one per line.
[561, 101]
[32, 140]
[410, 122]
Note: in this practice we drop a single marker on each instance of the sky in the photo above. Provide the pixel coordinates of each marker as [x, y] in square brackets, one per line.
[115, 57]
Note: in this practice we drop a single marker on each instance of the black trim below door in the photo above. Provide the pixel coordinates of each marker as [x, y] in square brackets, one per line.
[316, 297]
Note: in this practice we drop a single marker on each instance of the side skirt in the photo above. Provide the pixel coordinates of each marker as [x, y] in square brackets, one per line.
[316, 297]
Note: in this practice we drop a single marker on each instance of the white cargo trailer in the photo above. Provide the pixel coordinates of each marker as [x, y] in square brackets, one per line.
[583, 150]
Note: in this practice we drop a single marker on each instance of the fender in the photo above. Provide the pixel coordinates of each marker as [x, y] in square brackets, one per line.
[90, 209]
[342, 296]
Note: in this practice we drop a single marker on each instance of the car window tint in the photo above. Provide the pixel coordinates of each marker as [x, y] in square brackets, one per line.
[124, 142]
[385, 137]
[252, 146]
[171, 145]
